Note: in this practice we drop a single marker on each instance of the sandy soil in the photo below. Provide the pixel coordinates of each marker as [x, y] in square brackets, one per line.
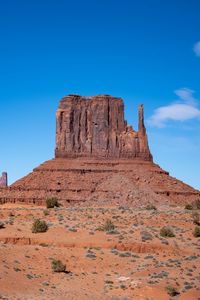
[131, 262]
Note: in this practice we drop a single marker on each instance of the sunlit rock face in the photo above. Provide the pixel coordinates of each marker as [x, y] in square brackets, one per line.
[95, 127]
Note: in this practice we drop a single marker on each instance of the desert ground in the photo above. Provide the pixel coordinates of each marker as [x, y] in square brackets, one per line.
[131, 260]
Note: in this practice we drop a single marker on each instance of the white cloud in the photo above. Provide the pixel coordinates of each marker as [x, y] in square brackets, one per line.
[182, 110]
[186, 95]
[197, 48]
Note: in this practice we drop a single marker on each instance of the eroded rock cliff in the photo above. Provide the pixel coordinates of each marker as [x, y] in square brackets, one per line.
[95, 127]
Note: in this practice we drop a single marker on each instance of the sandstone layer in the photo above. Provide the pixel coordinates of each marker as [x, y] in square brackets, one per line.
[96, 182]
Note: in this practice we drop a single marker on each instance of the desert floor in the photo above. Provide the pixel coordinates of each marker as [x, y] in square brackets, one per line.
[130, 262]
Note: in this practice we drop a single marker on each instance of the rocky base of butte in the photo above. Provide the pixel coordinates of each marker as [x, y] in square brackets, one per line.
[99, 159]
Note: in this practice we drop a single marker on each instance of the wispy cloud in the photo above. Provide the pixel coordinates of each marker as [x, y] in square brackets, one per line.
[185, 108]
[197, 48]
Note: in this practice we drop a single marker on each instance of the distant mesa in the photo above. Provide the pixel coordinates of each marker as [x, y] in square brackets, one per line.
[4, 180]
[99, 160]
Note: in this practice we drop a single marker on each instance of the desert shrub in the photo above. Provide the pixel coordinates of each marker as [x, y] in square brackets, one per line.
[51, 202]
[196, 204]
[167, 231]
[58, 266]
[196, 218]
[172, 291]
[2, 225]
[193, 205]
[196, 231]
[45, 212]
[151, 207]
[44, 245]
[39, 226]
[108, 226]
[11, 214]
[188, 206]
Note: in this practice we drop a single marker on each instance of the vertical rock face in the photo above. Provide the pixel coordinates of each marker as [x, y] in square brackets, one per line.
[95, 127]
[4, 180]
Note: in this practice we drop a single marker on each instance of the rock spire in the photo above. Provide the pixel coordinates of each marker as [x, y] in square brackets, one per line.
[4, 180]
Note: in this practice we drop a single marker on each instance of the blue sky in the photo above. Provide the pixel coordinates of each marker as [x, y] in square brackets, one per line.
[143, 51]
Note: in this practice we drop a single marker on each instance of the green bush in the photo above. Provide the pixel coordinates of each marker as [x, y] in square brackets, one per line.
[196, 218]
[51, 202]
[188, 206]
[196, 231]
[167, 231]
[39, 226]
[108, 226]
[196, 204]
[45, 212]
[2, 225]
[172, 291]
[58, 266]
[151, 207]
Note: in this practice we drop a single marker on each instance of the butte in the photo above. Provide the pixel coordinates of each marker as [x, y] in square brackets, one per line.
[99, 160]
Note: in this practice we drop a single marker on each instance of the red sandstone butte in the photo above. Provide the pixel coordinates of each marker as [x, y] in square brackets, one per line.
[99, 160]
[95, 127]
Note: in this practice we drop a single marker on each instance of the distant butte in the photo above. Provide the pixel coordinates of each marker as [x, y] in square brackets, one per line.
[99, 159]
[4, 180]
